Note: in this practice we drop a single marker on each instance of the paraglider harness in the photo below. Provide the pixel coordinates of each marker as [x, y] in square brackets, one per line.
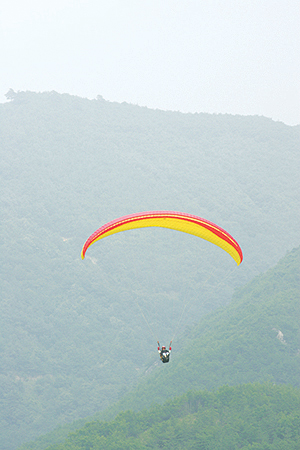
[164, 353]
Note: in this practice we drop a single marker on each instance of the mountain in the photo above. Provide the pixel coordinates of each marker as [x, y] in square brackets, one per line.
[69, 328]
[252, 417]
[253, 339]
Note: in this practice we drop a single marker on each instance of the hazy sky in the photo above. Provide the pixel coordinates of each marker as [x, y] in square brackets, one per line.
[216, 56]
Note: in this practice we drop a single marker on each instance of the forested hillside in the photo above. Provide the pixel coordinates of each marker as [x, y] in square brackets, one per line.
[252, 417]
[69, 328]
[255, 338]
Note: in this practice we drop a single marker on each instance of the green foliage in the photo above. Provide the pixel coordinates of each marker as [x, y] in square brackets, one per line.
[69, 328]
[255, 338]
[248, 417]
[237, 344]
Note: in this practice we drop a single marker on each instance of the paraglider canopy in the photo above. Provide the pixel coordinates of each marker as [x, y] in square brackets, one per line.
[186, 223]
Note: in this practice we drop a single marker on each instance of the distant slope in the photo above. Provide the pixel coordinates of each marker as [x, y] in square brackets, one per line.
[254, 339]
[252, 417]
[67, 166]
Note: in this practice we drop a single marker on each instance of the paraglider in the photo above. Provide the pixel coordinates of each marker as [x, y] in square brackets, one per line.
[179, 221]
[186, 223]
[164, 353]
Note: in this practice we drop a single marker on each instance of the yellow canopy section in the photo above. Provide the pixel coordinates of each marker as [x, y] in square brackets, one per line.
[186, 223]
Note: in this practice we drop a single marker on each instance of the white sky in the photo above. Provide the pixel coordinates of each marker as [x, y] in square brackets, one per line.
[216, 56]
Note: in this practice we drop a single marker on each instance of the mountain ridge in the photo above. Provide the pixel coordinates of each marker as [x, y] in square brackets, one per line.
[69, 165]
